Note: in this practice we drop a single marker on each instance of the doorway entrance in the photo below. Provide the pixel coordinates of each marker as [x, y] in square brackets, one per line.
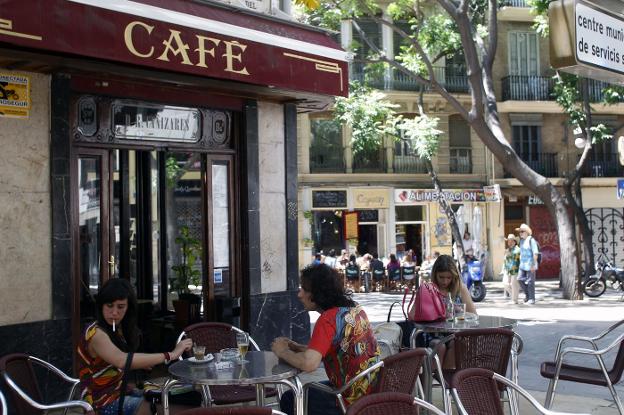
[164, 220]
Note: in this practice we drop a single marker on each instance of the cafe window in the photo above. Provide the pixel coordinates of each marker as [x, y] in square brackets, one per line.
[410, 213]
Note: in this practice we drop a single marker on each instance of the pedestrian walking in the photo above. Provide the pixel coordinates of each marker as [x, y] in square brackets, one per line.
[330, 259]
[511, 265]
[528, 262]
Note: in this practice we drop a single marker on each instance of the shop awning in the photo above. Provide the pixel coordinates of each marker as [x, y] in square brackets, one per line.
[182, 36]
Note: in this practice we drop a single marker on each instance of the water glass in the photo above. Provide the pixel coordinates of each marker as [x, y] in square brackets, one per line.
[199, 352]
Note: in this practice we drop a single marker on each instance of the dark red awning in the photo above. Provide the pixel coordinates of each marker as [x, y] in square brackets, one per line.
[181, 36]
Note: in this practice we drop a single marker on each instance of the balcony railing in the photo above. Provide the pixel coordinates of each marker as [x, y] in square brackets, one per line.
[409, 164]
[369, 162]
[460, 166]
[541, 88]
[605, 166]
[515, 3]
[402, 82]
[542, 163]
[527, 88]
[326, 160]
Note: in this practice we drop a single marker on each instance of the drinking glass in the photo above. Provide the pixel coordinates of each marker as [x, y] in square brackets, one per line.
[199, 352]
[459, 312]
[242, 341]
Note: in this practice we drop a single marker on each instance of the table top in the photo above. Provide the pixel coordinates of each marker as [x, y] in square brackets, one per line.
[261, 367]
[483, 322]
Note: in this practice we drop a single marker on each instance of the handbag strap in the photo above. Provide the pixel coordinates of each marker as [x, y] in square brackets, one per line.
[124, 382]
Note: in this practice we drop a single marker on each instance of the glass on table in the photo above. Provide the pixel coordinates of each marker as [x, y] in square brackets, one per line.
[459, 312]
[242, 342]
[199, 352]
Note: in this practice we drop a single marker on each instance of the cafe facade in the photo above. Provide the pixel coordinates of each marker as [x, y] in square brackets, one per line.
[139, 137]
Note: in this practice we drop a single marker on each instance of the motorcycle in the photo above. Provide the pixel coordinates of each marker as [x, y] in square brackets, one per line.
[606, 273]
[472, 276]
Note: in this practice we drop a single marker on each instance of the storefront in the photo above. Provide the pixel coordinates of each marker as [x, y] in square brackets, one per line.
[403, 220]
[154, 134]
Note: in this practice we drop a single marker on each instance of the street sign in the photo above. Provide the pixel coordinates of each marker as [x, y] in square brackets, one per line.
[586, 39]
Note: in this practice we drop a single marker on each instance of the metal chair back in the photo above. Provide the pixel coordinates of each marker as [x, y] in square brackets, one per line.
[400, 371]
[18, 369]
[215, 336]
[390, 403]
[4, 409]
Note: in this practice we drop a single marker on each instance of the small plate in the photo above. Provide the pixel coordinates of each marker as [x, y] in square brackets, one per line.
[207, 359]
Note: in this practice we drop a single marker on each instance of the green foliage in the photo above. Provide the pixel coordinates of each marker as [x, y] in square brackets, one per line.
[370, 116]
[613, 94]
[540, 9]
[568, 96]
[172, 170]
[423, 134]
[185, 272]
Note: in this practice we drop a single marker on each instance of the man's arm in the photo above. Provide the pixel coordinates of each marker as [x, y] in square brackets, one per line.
[307, 360]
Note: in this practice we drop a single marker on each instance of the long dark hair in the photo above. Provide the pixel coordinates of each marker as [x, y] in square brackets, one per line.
[446, 263]
[113, 290]
[325, 285]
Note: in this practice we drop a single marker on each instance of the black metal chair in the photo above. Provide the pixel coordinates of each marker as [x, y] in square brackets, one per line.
[4, 409]
[232, 410]
[600, 375]
[23, 389]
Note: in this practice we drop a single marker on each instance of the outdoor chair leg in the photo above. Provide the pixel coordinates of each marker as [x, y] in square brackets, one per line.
[550, 393]
[616, 398]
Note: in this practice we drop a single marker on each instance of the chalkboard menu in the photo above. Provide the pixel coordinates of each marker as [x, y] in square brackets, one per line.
[368, 215]
[329, 199]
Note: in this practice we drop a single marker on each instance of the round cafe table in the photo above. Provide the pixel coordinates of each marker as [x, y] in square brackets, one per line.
[260, 368]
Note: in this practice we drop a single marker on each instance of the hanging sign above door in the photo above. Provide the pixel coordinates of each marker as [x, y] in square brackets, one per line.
[156, 122]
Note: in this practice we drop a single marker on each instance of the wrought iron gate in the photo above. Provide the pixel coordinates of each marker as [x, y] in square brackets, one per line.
[607, 226]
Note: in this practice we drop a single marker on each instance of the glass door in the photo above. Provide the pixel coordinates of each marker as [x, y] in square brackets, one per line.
[95, 262]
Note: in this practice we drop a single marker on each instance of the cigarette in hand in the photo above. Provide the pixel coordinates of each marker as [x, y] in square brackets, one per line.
[113, 326]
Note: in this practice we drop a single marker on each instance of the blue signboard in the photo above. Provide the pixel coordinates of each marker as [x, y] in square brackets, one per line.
[620, 189]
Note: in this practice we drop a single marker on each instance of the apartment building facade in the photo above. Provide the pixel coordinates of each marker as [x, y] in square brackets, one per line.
[332, 182]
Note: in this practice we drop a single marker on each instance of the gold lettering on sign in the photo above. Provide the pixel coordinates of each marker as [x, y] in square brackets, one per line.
[6, 28]
[181, 48]
[202, 51]
[226, 53]
[229, 67]
[128, 39]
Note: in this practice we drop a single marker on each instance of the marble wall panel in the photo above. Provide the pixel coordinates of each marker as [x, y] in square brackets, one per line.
[272, 197]
[25, 220]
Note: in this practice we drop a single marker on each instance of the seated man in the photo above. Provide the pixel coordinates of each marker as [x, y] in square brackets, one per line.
[342, 339]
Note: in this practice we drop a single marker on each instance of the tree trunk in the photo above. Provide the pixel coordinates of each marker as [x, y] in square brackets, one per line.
[447, 209]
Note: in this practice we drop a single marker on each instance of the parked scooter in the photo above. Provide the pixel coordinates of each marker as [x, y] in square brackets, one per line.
[472, 274]
[596, 284]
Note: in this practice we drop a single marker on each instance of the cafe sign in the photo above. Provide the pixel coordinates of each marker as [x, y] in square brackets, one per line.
[370, 198]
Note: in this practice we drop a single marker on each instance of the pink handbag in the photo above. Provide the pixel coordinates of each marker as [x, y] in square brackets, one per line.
[425, 305]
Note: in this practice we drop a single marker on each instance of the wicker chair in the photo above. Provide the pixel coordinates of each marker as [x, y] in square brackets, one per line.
[482, 348]
[397, 373]
[590, 375]
[19, 376]
[217, 336]
[394, 403]
[232, 410]
[477, 392]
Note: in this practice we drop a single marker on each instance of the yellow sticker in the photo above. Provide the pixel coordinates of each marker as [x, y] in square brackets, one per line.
[14, 95]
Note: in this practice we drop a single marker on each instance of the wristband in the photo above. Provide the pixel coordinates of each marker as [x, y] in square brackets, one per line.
[167, 357]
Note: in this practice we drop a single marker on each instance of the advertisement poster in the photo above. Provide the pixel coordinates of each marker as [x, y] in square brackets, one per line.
[14, 95]
[351, 225]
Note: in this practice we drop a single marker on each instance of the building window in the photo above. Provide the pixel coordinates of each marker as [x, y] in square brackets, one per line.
[527, 141]
[460, 151]
[523, 53]
[326, 151]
